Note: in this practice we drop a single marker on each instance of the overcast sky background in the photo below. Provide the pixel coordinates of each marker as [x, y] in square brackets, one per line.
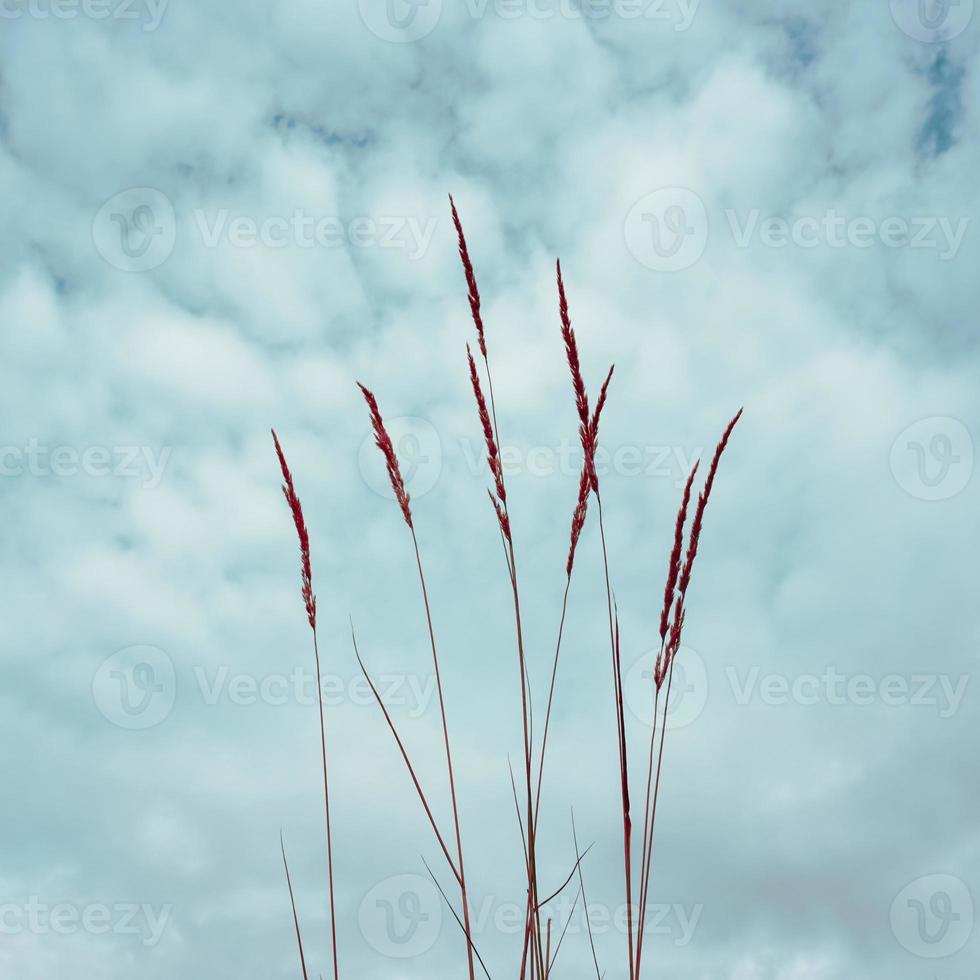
[215, 217]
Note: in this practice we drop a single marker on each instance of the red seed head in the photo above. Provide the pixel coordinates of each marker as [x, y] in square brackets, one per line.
[578, 518]
[594, 430]
[383, 442]
[669, 650]
[674, 565]
[571, 352]
[289, 492]
[464, 254]
[493, 455]
[673, 641]
[697, 522]
[502, 519]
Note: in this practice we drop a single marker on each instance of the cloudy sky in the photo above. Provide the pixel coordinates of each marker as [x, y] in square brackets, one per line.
[216, 216]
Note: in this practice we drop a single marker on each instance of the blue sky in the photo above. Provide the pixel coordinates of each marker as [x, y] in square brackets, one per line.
[215, 217]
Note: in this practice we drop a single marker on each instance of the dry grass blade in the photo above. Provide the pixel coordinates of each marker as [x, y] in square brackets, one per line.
[585, 900]
[567, 881]
[404, 753]
[459, 921]
[292, 902]
[561, 938]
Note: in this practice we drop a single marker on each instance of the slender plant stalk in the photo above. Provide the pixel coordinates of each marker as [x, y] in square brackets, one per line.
[492, 436]
[449, 761]
[678, 578]
[384, 443]
[309, 599]
[326, 804]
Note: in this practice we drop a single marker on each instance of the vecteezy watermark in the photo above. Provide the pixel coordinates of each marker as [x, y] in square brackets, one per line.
[838, 689]
[672, 922]
[401, 917]
[130, 919]
[401, 21]
[831, 229]
[678, 13]
[136, 688]
[832, 687]
[419, 450]
[565, 459]
[303, 230]
[932, 459]
[142, 463]
[932, 21]
[136, 230]
[148, 13]
[933, 917]
[667, 229]
[688, 693]
[411, 693]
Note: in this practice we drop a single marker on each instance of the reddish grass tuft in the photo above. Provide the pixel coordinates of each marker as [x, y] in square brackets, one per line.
[539, 954]
[589, 479]
[674, 565]
[289, 491]
[502, 519]
[474, 292]
[578, 518]
[571, 353]
[383, 442]
[493, 455]
[692, 548]
[292, 498]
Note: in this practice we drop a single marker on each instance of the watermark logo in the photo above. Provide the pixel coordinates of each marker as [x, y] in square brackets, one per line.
[136, 688]
[667, 230]
[943, 692]
[400, 21]
[679, 14]
[932, 21]
[300, 229]
[127, 919]
[688, 689]
[136, 230]
[411, 694]
[401, 917]
[933, 458]
[142, 463]
[419, 451]
[149, 13]
[941, 234]
[933, 917]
